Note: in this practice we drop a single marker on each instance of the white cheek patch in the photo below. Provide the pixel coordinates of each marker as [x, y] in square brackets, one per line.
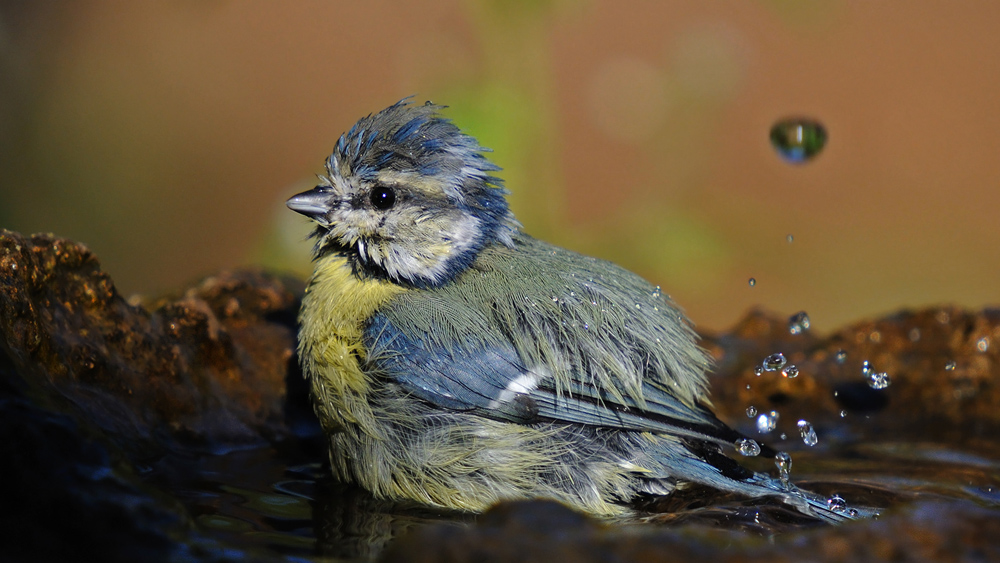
[430, 259]
[520, 385]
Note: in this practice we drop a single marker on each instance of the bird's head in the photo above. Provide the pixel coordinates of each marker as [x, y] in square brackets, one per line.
[409, 197]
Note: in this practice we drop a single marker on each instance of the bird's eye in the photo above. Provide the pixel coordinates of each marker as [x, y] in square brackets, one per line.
[383, 197]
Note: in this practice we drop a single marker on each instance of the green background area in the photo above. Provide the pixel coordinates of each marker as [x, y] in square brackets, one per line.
[167, 136]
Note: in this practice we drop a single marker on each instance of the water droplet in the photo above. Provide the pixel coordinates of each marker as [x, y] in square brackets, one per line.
[555, 299]
[790, 371]
[790, 238]
[747, 447]
[751, 410]
[951, 365]
[798, 323]
[840, 357]
[748, 386]
[657, 292]
[766, 423]
[752, 282]
[914, 334]
[758, 371]
[774, 362]
[783, 461]
[798, 140]
[808, 433]
[836, 503]
[866, 368]
[878, 380]
[783, 436]
[843, 414]
[638, 306]
[983, 344]
[853, 513]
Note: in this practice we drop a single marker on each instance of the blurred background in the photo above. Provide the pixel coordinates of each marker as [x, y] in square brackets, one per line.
[167, 136]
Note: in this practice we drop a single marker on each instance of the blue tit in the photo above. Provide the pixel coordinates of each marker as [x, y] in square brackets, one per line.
[456, 361]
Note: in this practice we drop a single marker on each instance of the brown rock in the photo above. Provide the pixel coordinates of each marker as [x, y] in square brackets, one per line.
[209, 365]
[91, 385]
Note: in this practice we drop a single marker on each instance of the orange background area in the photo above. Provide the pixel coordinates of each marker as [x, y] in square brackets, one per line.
[167, 136]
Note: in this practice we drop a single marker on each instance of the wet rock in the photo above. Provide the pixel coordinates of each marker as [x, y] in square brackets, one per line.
[208, 366]
[180, 428]
[95, 392]
[943, 366]
[546, 531]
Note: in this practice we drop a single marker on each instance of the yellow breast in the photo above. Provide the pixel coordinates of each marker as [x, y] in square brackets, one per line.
[334, 310]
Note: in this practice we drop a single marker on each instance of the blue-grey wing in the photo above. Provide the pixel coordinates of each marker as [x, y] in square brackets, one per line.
[492, 381]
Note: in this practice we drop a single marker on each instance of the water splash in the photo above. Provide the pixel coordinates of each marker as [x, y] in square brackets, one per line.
[747, 447]
[798, 323]
[767, 422]
[836, 503]
[808, 433]
[783, 461]
[774, 362]
[840, 357]
[878, 380]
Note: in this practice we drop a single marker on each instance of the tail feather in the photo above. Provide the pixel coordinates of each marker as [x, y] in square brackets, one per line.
[709, 467]
[833, 510]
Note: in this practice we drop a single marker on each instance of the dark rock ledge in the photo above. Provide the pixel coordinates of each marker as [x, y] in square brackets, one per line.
[104, 402]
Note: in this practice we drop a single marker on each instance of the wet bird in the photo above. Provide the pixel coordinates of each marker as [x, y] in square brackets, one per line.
[456, 361]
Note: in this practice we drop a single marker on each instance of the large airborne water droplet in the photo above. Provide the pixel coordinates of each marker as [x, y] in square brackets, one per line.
[798, 140]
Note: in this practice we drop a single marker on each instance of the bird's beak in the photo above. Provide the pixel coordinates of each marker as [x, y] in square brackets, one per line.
[314, 204]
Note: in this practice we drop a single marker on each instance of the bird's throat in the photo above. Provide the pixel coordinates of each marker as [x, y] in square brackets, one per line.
[335, 306]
